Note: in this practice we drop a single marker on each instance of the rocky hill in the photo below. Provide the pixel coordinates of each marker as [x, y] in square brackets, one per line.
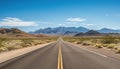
[89, 33]
[13, 32]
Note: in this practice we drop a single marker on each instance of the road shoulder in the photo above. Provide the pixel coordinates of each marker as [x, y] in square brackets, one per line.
[107, 52]
[5, 56]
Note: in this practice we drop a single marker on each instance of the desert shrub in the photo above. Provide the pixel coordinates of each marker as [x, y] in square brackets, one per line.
[115, 47]
[109, 40]
[71, 40]
[3, 49]
[98, 45]
[47, 41]
[26, 42]
[13, 47]
[17, 43]
[86, 43]
[78, 42]
[94, 40]
[41, 42]
[118, 50]
[117, 40]
[104, 45]
[1, 41]
[111, 46]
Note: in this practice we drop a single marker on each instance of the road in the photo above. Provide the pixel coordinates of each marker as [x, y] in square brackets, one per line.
[73, 57]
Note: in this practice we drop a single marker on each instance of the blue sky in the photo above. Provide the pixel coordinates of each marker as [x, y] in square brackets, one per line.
[30, 15]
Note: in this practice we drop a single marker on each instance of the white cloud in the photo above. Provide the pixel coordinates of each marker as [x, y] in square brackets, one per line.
[61, 24]
[10, 21]
[90, 24]
[76, 19]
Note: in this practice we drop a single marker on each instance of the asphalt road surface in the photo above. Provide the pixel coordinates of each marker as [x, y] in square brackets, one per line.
[77, 58]
[72, 58]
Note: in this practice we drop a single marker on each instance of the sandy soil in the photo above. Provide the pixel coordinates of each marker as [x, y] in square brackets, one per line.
[104, 51]
[4, 56]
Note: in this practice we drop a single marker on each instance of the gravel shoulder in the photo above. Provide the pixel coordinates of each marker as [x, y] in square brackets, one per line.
[107, 52]
[5, 56]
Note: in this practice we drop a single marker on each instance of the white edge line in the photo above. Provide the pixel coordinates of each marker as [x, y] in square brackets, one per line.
[96, 53]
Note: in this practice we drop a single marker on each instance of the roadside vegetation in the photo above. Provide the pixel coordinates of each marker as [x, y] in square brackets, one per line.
[7, 44]
[108, 42]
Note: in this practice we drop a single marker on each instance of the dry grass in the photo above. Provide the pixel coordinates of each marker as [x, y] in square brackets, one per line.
[99, 42]
[7, 44]
[98, 45]
[118, 50]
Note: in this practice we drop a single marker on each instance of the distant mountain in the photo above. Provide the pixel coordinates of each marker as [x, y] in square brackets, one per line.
[106, 30]
[13, 32]
[70, 30]
[60, 30]
[90, 32]
[70, 33]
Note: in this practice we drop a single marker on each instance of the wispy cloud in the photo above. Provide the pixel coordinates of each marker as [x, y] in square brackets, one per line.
[76, 19]
[61, 24]
[90, 24]
[10, 21]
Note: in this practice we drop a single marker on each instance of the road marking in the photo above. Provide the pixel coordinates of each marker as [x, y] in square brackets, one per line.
[95, 52]
[60, 62]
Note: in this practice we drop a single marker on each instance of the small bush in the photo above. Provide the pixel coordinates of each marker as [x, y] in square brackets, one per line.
[104, 45]
[37, 43]
[3, 49]
[2, 40]
[72, 40]
[111, 46]
[13, 47]
[78, 42]
[26, 42]
[86, 43]
[98, 45]
[47, 41]
[118, 50]
[109, 40]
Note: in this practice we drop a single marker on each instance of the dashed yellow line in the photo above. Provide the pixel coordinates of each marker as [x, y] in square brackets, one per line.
[60, 61]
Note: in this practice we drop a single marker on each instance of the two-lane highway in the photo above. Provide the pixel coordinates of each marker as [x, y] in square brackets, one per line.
[62, 55]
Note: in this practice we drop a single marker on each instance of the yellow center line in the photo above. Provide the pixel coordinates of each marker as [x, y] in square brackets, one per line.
[60, 62]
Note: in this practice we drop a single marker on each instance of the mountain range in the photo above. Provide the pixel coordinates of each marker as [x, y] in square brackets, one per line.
[56, 31]
[70, 30]
[60, 30]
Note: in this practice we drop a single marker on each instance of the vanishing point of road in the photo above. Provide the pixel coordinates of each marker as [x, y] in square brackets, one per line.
[61, 55]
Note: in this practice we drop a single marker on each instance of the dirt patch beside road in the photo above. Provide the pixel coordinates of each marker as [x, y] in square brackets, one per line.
[4, 56]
